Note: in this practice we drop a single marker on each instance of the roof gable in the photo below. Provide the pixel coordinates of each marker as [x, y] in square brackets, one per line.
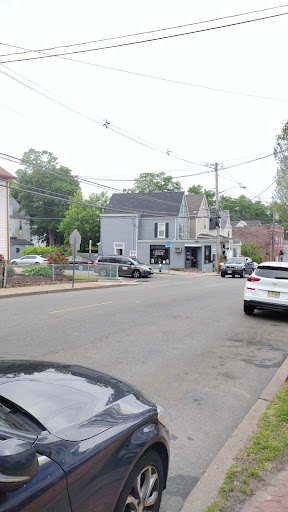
[195, 203]
[6, 175]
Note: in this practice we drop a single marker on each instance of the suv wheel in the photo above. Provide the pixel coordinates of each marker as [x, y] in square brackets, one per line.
[103, 272]
[248, 310]
[136, 273]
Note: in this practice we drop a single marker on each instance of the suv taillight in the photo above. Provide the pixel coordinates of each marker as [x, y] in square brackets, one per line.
[250, 278]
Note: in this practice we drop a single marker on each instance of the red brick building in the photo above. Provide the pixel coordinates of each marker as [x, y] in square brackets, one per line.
[269, 237]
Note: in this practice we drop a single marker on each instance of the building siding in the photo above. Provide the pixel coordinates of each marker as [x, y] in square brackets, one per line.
[4, 235]
[262, 236]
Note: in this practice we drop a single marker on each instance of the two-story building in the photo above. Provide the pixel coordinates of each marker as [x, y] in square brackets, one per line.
[19, 227]
[5, 178]
[155, 228]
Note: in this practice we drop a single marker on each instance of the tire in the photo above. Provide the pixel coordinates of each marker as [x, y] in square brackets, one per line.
[242, 274]
[222, 275]
[136, 273]
[248, 310]
[144, 486]
[103, 272]
[36, 263]
[80, 266]
[14, 263]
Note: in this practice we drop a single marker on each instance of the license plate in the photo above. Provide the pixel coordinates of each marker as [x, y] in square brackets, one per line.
[229, 271]
[274, 294]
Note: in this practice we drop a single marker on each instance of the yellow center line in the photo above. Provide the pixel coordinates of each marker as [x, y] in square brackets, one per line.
[79, 307]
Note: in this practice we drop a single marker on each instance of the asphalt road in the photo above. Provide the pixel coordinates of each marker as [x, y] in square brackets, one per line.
[183, 340]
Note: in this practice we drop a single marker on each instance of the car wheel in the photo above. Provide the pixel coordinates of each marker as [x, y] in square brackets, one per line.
[248, 310]
[36, 263]
[103, 272]
[222, 275]
[80, 267]
[143, 489]
[242, 274]
[136, 273]
[14, 263]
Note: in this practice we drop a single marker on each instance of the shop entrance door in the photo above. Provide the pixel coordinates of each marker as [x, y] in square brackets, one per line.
[190, 257]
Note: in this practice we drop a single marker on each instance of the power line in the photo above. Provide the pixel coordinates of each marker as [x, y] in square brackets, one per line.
[137, 33]
[144, 40]
[107, 125]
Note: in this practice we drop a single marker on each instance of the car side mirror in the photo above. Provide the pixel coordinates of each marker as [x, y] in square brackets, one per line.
[18, 464]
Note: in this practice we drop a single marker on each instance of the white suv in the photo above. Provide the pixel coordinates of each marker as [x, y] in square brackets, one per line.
[267, 287]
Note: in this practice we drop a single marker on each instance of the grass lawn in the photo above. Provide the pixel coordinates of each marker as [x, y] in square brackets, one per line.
[266, 451]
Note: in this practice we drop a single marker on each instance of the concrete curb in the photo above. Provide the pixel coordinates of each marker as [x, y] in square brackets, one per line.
[208, 486]
[60, 290]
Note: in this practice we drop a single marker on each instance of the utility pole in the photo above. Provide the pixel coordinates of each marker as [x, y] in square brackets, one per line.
[217, 222]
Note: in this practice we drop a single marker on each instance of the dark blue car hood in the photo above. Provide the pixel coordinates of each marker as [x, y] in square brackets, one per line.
[71, 402]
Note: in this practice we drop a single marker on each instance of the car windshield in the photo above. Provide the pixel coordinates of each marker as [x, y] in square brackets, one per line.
[138, 261]
[235, 260]
[12, 416]
[272, 272]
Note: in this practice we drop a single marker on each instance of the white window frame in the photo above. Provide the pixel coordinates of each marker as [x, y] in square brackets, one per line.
[161, 230]
[118, 245]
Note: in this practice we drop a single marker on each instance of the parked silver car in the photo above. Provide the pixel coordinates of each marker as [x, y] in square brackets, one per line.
[30, 259]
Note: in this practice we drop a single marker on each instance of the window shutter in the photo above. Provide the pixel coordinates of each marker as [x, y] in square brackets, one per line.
[155, 230]
[166, 229]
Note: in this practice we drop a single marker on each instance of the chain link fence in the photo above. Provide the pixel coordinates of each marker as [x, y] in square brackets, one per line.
[27, 275]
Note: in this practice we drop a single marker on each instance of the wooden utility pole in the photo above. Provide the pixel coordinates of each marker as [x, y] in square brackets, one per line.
[217, 222]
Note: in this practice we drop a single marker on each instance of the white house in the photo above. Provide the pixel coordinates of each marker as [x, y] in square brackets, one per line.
[5, 178]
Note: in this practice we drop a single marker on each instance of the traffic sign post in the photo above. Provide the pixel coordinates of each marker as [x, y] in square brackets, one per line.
[75, 241]
[168, 244]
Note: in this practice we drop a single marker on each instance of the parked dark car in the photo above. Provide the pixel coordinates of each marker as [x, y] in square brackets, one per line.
[74, 439]
[113, 265]
[79, 262]
[237, 266]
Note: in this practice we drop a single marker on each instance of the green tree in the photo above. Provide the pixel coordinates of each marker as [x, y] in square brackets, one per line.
[84, 218]
[198, 189]
[243, 208]
[252, 251]
[154, 182]
[43, 175]
[281, 156]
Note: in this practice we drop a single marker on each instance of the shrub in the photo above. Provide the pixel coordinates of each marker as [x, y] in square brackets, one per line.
[11, 271]
[37, 270]
[57, 258]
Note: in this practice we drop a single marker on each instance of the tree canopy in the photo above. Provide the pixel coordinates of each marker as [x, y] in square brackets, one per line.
[281, 156]
[252, 250]
[198, 189]
[243, 208]
[154, 182]
[84, 218]
[41, 178]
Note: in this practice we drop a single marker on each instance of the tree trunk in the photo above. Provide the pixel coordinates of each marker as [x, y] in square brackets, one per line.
[51, 238]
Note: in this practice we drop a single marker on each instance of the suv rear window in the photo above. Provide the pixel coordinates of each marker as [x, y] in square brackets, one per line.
[272, 272]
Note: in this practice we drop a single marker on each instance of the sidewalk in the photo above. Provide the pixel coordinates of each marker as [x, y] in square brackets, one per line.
[272, 495]
[80, 285]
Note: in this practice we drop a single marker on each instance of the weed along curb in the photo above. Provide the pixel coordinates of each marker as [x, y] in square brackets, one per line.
[208, 486]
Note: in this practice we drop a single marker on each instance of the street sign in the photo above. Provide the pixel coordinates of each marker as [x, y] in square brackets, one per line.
[168, 244]
[75, 237]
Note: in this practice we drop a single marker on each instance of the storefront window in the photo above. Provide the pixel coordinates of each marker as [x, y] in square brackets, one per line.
[159, 254]
[207, 254]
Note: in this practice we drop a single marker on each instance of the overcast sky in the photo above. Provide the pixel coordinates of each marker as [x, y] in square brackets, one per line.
[197, 124]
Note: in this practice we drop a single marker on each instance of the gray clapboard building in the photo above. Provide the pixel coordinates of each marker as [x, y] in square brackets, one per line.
[140, 225]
